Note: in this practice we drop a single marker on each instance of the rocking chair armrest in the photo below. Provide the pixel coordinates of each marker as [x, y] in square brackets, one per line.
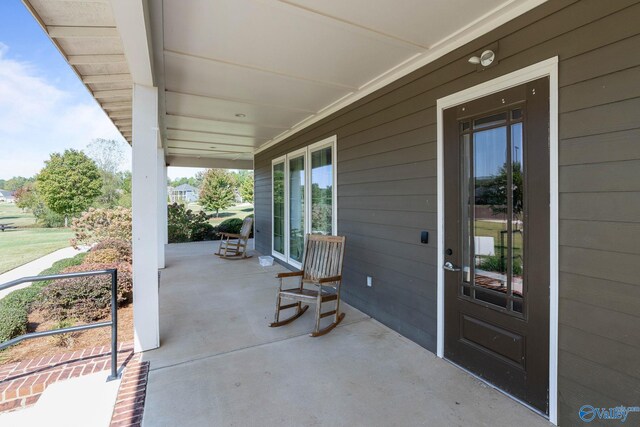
[289, 274]
[233, 235]
[330, 279]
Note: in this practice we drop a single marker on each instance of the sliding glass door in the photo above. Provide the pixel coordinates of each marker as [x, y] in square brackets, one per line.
[304, 197]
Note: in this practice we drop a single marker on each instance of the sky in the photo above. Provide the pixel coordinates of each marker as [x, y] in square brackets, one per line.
[44, 107]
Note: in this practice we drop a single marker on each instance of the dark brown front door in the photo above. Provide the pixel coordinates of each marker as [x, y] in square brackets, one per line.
[496, 163]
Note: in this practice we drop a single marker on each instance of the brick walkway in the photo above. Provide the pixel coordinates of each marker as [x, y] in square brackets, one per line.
[22, 383]
[133, 389]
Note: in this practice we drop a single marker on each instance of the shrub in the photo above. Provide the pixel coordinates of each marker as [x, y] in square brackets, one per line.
[97, 225]
[85, 298]
[123, 248]
[102, 256]
[232, 225]
[13, 322]
[15, 307]
[493, 263]
[58, 266]
[186, 226]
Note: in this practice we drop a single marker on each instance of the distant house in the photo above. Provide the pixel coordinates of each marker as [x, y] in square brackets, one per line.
[7, 196]
[184, 193]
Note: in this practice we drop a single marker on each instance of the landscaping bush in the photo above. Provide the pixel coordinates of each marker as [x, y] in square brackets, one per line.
[97, 225]
[13, 321]
[15, 307]
[493, 263]
[102, 256]
[88, 298]
[121, 246]
[231, 225]
[184, 225]
[58, 266]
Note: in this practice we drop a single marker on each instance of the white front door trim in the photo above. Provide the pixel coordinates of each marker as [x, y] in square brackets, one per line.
[545, 68]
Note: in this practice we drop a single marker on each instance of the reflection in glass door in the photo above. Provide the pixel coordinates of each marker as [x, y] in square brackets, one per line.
[322, 191]
[493, 206]
[296, 207]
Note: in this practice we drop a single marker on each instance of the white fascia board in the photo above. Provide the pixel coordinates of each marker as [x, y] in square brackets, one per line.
[132, 21]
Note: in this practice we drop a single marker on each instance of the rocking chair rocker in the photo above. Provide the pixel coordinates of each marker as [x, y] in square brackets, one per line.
[322, 269]
[234, 246]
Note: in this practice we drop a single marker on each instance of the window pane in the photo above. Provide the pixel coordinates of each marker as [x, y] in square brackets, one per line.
[278, 208]
[517, 225]
[490, 212]
[486, 122]
[296, 208]
[321, 191]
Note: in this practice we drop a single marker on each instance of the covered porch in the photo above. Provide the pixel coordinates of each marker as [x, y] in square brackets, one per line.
[220, 364]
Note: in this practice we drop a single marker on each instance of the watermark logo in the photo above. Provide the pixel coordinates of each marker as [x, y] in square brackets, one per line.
[589, 413]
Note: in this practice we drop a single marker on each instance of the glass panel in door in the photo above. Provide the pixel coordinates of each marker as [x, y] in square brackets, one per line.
[296, 208]
[322, 191]
[278, 208]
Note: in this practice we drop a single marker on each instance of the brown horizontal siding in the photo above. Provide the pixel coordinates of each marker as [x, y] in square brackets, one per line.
[387, 185]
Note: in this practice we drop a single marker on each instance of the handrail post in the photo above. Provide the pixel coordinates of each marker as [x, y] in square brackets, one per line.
[114, 326]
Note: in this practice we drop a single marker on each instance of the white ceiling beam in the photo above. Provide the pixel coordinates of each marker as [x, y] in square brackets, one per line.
[262, 70]
[204, 162]
[107, 78]
[237, 147]
[116, 93]
[116, 106]
[242, 101]
[95, 59]
[62, 32]
[215, 120]
[132, 21]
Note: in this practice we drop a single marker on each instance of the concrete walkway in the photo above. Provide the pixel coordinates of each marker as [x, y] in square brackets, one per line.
[221, 365]
[34, 267]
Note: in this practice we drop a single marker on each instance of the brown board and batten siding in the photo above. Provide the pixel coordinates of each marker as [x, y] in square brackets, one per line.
[386, 153]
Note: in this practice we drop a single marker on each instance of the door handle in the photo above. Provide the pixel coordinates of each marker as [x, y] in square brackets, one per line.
[450, 267]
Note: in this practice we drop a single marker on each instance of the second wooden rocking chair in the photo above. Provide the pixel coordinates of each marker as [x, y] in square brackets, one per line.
[322, 270]
[234, 246]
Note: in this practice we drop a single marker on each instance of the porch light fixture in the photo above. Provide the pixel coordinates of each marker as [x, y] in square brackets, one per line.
[486, 59]
[241, 115]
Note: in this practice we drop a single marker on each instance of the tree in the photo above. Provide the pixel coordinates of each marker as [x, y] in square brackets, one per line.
[15, 183]
[27, 198]
[246, 189]
[108, 155]
[69, 183]
[494, 191]
[217, 191]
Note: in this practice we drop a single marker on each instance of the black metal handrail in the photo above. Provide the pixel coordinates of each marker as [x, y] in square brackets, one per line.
[114, 313]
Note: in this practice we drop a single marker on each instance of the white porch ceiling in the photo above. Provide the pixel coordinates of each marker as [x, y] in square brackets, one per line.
[239, 75]
[236, 76]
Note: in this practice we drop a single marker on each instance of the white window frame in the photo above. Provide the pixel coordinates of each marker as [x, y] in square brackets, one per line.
[274, 162]
[306, 152]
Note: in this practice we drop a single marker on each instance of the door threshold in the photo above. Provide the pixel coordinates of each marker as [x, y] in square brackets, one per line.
[510, 396]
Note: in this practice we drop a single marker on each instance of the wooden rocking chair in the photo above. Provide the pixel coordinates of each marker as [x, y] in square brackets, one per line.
[322, 269]
[234, 246]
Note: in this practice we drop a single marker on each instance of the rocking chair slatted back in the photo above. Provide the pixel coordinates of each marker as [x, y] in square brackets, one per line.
[245, 231]
[323, 256]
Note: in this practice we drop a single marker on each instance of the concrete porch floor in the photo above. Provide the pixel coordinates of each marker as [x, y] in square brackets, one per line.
[219, 363]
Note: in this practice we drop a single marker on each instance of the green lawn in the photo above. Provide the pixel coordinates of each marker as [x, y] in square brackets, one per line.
[492, 228]
[17, 247]
[11, 214]
[238, 211]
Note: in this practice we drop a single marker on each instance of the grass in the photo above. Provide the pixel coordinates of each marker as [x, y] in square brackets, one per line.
[18, 247]
[11, 214]
[492, 229]
[238, 211]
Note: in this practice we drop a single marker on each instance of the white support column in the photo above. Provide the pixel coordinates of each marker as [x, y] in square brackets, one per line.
[145, 218]
[162, 206]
